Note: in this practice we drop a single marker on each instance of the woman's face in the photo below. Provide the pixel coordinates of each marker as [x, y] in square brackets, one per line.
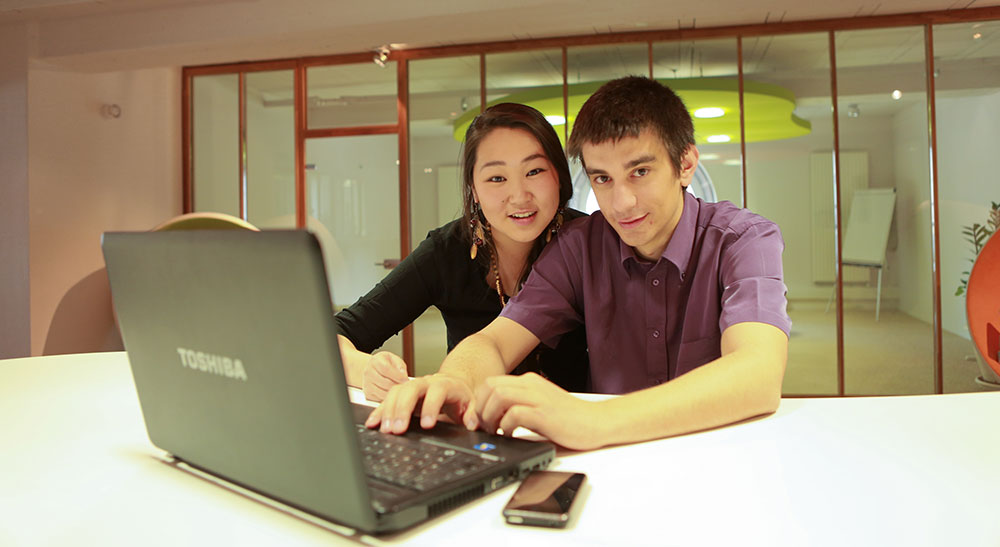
[515, 184]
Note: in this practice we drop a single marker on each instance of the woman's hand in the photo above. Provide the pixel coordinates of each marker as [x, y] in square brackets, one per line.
[383, 370]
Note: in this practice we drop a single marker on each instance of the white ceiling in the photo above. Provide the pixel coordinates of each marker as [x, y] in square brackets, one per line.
[105, 35]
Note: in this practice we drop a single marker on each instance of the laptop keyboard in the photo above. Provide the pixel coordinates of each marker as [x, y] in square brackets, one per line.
[413, 463]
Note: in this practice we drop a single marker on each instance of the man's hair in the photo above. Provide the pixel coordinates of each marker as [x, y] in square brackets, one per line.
[627, 106]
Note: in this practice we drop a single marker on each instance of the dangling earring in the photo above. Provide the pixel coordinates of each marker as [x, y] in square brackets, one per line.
[478, 236]
[556, 224]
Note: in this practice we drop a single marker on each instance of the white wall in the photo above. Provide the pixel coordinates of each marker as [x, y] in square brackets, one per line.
[90, 173]
[778, 187]
[15, 306]
[968, 133]
[354, 191]
[270, 161]
[435, 197]
[913, 211]
[216, 150]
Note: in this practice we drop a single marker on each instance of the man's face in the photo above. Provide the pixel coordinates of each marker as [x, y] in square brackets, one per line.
[637, 189]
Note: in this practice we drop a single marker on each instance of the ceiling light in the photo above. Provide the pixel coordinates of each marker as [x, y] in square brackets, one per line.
[381, 56]
[897, 94]
[556, 120]
[709, 112]
[718, 138]
[708, 157]
[853, 111]
[732, 162]
[770, 109]
[977, 35]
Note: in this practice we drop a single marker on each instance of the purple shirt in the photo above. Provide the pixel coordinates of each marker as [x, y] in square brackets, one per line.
[648, 323]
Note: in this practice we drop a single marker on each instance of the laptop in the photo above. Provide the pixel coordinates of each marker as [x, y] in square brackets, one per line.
[233, 349]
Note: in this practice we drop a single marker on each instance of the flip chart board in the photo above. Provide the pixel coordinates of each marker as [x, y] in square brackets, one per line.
[868, 228]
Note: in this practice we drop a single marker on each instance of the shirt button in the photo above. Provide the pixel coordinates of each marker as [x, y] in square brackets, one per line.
[656, 334]
[656, 282]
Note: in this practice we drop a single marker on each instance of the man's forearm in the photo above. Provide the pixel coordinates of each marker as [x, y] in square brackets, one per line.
[725, 391]
[473, 360]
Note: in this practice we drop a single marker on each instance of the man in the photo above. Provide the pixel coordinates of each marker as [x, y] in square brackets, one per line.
[683, 301]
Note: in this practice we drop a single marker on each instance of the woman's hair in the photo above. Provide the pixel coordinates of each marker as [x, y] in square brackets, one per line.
[511, 116]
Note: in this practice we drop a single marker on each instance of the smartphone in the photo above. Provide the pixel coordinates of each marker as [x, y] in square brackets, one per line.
[544, 498]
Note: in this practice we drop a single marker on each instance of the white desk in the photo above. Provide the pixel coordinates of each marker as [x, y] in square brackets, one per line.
[76, 468]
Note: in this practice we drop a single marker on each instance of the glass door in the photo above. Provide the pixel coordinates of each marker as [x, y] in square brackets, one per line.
[352, 205]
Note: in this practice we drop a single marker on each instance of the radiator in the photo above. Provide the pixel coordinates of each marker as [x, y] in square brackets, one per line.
[853, 176]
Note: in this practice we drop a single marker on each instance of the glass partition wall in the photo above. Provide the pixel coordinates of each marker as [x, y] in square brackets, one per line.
[709, 63]
[807, 124]
[967, 99]
[216, 160]
[270, 144]
[441, 91]
[887, 295]
[790, 180]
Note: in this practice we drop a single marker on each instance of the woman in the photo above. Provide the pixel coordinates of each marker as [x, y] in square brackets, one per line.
[516, 183]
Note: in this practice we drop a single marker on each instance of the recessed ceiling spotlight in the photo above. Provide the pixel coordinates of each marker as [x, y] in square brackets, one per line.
[977, 35]
[709, 112]
[718, 138]
[555, 120]
[897, 94]
[853, 111]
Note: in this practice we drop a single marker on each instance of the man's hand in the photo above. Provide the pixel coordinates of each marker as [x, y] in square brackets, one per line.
[383, 370]
[451, 390]
[507, 402]
[436, 393]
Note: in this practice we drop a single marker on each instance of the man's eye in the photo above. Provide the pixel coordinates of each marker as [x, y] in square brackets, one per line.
[601, 179]
[641, 172]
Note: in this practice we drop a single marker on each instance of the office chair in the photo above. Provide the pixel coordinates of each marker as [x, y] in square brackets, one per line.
[982, 309]
[84, 319]
[205, 221]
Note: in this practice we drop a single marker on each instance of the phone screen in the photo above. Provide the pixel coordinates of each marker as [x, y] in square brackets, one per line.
[544, 498]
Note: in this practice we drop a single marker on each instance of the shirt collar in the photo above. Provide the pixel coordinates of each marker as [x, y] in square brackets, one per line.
[678, 249]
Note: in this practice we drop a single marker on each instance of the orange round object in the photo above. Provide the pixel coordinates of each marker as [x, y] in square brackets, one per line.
[982, 303]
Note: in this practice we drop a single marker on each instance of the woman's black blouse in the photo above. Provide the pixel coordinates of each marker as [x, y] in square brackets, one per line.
[439, 273]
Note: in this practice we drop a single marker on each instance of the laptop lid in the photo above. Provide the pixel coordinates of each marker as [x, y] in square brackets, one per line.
[233, 348]
[231, 341]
